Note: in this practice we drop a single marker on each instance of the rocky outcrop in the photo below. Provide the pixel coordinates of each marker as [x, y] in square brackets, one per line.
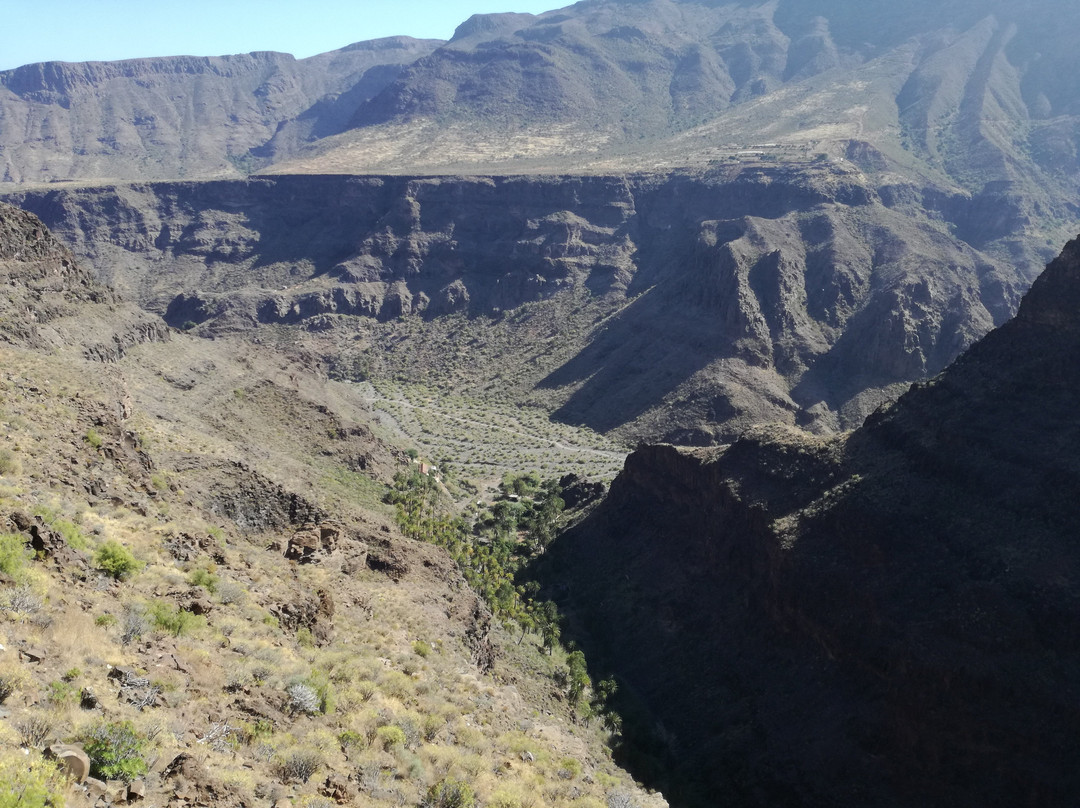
[252, 502]
[882, 619]
[312, 541]
[52, 301]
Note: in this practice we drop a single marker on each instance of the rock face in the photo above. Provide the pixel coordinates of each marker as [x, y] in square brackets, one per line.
[883, 619]
[684, 308]
[51, 300]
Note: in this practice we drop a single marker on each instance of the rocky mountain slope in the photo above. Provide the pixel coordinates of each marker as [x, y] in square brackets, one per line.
[184, 116]
[886, 618]
[662, 307]
[969, 90]
[201, 589]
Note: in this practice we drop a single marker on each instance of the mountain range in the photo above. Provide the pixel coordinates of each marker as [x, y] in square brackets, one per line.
[731, 212]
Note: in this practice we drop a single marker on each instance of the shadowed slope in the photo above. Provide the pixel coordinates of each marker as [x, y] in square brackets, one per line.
[884, 619]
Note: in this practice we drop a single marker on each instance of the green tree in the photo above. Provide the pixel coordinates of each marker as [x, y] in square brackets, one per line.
[578, 678]
[115, 751]
[547, 620]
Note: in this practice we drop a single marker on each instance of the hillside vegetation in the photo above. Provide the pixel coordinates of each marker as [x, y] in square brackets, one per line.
[214, 600]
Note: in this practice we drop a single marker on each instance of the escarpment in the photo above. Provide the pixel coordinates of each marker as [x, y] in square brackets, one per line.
[683, 307]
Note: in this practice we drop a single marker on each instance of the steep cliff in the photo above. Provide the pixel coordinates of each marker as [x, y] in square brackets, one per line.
[884, 618]
[51, 301]
[681, 307]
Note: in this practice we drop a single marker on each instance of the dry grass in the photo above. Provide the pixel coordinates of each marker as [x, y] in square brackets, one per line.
[369, 676]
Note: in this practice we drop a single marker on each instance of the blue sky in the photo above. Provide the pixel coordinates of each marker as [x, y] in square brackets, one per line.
[86, 30]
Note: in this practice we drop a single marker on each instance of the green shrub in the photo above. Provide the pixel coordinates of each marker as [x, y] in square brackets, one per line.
[504, 799]
[9, 463]
[449, 794]
[116, 560]
[389, 737]
[33, 783]
[173, 619]
[62, 693]
[115, 751]
[350, 738]
[93, 439]
[304, 637]
[324, 691]
[14, 554]
[73, 537]
[421, 648]
[431, 726]
[105, 620]
[569, 768]
[204, 578]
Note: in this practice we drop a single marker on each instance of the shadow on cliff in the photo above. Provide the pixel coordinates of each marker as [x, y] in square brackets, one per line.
[884, 620]
[643, 354]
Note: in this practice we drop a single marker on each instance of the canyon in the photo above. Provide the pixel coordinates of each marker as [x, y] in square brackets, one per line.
[791, 251]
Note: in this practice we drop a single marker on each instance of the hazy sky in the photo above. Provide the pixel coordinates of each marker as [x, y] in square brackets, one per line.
[85, 30]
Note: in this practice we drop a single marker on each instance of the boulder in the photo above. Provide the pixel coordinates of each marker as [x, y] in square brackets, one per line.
[311, 540]
[95, 788]
[32, 655]
[74, 761]
[116, 791]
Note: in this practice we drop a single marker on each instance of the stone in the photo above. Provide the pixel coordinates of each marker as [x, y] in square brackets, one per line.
[136, 790]
[72, 758]
[122, 674]
[338, 788]
[116, 791]
[311, 540]
[88, 700]
[95, 788]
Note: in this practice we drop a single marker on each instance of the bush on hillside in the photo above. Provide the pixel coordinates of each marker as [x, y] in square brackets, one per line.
[115, 751]
[116, 560]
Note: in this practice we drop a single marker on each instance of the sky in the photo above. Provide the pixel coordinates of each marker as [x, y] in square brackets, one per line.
[105, 30]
